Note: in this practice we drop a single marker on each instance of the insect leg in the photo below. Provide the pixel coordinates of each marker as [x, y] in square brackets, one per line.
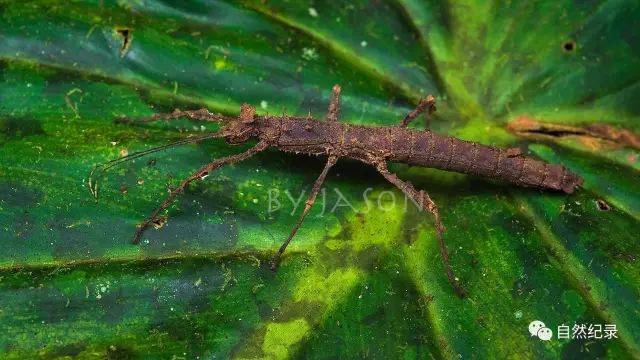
[427, 103]
[423, 200]
[205, 170]
[307, 206]
[197, 115]
[334, 104]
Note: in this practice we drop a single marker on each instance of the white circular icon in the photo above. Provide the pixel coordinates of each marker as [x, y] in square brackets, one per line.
[545, 334]
[534, 326]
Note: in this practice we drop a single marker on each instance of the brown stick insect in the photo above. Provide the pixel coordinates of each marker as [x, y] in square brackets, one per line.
[374, 146]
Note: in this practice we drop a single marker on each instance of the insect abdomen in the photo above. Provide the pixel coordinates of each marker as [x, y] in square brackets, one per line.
[448, 153]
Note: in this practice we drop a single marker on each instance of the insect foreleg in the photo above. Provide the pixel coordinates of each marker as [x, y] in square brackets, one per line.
[205, 170]
[334, 104]
[307, 206]
[427, 103]
[197, 115]
[423, 200]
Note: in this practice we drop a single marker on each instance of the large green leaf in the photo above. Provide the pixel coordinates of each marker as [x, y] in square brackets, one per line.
[359, 279]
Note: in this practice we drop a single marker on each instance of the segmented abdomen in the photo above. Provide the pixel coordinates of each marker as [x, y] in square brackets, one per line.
[448, 153]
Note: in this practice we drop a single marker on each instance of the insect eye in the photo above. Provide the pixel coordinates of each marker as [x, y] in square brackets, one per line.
[247, 113]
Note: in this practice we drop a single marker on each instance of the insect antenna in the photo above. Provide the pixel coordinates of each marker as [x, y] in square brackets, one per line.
[99, 170]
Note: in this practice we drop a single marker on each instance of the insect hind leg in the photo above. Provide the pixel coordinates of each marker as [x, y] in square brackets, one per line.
[423, 200]
[426, 104]
[205, 170]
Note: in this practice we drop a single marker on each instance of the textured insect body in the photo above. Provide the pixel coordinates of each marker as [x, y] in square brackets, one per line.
[372, 145]
[419, 148]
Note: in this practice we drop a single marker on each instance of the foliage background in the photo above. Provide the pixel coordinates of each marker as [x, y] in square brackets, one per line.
[72, 285]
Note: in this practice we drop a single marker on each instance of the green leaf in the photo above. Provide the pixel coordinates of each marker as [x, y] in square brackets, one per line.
[363, 277]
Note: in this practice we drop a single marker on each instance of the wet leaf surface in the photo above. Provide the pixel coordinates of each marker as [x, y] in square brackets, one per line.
[363, 277]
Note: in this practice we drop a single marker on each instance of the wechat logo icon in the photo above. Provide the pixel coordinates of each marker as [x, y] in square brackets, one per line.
[539, 330]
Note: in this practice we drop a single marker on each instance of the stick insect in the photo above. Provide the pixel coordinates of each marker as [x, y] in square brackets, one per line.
[375, 146]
